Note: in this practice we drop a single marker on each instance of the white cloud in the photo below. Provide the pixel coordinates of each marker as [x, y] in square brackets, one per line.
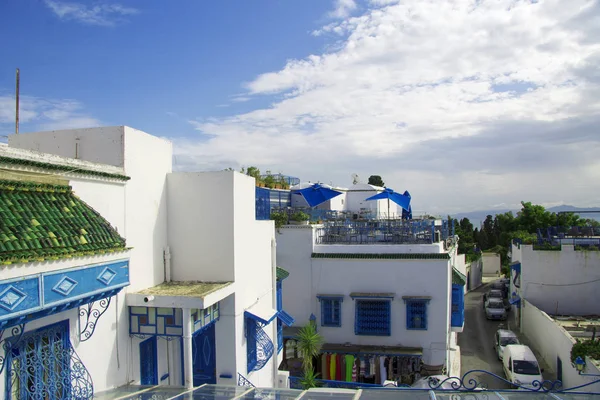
[429, 94]
[44, 114]
[99, 14]
[343, 8]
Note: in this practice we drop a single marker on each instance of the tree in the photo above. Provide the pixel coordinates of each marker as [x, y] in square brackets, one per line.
[309, 344]
[376, 180]
[253, 172]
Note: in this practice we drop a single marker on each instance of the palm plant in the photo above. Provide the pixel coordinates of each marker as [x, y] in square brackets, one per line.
[309, 344]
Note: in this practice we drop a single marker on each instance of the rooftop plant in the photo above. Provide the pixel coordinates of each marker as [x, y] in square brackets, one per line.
[590, 348]
[300, 216]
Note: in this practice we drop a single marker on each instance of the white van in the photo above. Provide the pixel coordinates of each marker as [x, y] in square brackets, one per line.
[520, 365]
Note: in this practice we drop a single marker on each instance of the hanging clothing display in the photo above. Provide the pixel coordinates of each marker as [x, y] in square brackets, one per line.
[375, 369]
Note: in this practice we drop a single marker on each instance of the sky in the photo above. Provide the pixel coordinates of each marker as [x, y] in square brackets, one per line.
[467, 104]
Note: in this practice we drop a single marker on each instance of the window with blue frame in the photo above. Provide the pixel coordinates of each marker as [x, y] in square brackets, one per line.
[458, 305]
[279, 323]
[251, 353]
[416, 314]
[373, 318]
[331, 311]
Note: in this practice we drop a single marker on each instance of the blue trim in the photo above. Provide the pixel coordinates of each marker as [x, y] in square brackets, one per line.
[416, 314]
[251, 357]
[326, 297]
[331, 311]
[373, 296]
[226, 376]
[286, 318]
[47, 291]
[262, 321]
[279, 296]
[152, 345]
[373, 317]
[182, 362]
[165, 376]
[515, 300]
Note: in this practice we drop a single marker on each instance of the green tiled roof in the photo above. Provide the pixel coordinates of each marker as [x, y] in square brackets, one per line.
[458, 277]
[282, 274]
[390, 256]
[47, 222]
[63, 168]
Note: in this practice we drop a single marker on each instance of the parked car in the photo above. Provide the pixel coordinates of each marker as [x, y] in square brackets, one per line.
[494, 309]
[503, 338]
[497, 294]
[520, 366]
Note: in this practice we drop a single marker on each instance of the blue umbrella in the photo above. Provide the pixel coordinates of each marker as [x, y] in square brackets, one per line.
[317, 194]
[401, 199]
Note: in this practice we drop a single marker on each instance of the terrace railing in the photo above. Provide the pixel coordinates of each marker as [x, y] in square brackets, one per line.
[381, 232]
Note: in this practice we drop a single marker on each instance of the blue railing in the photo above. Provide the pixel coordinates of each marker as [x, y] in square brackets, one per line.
[577, 235]
[268, 200]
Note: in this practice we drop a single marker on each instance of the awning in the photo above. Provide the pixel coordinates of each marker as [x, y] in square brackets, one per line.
[458, 277]
[516, 266]
[339, 297]
[372, 350]
[262, 314]
[286, 318]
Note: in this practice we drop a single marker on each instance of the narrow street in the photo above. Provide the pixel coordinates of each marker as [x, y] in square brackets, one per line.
[477, 340]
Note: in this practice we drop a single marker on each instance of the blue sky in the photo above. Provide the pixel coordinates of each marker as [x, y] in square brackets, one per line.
[468, 104]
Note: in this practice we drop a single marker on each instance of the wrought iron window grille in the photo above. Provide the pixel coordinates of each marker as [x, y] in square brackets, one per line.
[373, 318]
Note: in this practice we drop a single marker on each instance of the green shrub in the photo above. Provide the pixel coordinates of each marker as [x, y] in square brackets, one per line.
[590, 348]
[280, 218]
[300, 216]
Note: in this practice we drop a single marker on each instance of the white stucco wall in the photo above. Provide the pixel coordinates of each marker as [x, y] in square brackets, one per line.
[491, 264]
[474, 274]
[201, 225]
[561, 282]
[552, 342]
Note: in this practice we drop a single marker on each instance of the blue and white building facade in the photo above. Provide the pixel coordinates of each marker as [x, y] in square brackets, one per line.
[190, 298]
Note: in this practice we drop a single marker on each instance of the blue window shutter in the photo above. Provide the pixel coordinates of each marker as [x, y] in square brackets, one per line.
[416, 315]
[372, 317]
[279, 296]
[331, 312]
[251, 343]
[458, 306]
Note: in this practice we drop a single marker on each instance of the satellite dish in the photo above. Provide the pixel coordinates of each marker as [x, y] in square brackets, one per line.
[355, 179]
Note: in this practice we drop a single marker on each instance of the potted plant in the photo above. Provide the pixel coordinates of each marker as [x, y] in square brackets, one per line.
[299, 218]
[280, 218]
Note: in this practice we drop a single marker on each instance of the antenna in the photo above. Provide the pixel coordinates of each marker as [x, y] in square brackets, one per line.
[355, 179]
[17, 105]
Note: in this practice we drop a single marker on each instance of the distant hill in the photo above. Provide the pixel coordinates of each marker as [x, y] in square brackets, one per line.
[477, 217]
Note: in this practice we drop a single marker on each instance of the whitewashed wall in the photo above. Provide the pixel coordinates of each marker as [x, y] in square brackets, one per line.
[491, 264]
[474, 274]
[561, 282]
[201, 225]
[294, 249]
[552, 341]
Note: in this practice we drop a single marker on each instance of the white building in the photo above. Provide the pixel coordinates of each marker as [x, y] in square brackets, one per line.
[372, 300]
[491, 263]
[136, 274]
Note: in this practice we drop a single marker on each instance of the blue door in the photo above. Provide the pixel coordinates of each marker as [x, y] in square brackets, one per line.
[148, 362]
[203, 351]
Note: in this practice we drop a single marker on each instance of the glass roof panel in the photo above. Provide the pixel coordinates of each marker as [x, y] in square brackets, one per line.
[214, 392]
[329, 394]
[120, 392]
[156, 393]
[272, 394]
[394, 394]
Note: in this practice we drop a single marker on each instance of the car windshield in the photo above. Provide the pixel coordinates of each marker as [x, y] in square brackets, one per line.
[508, 340]
[495, 304]
[526, 367]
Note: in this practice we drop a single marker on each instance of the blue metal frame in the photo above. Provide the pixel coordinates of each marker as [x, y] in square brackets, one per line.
[416, 308]
[204, 356]
[259, 347]
[373, 317]
[34, 373]
[152, 358]
[251, 344]
[331, 311]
